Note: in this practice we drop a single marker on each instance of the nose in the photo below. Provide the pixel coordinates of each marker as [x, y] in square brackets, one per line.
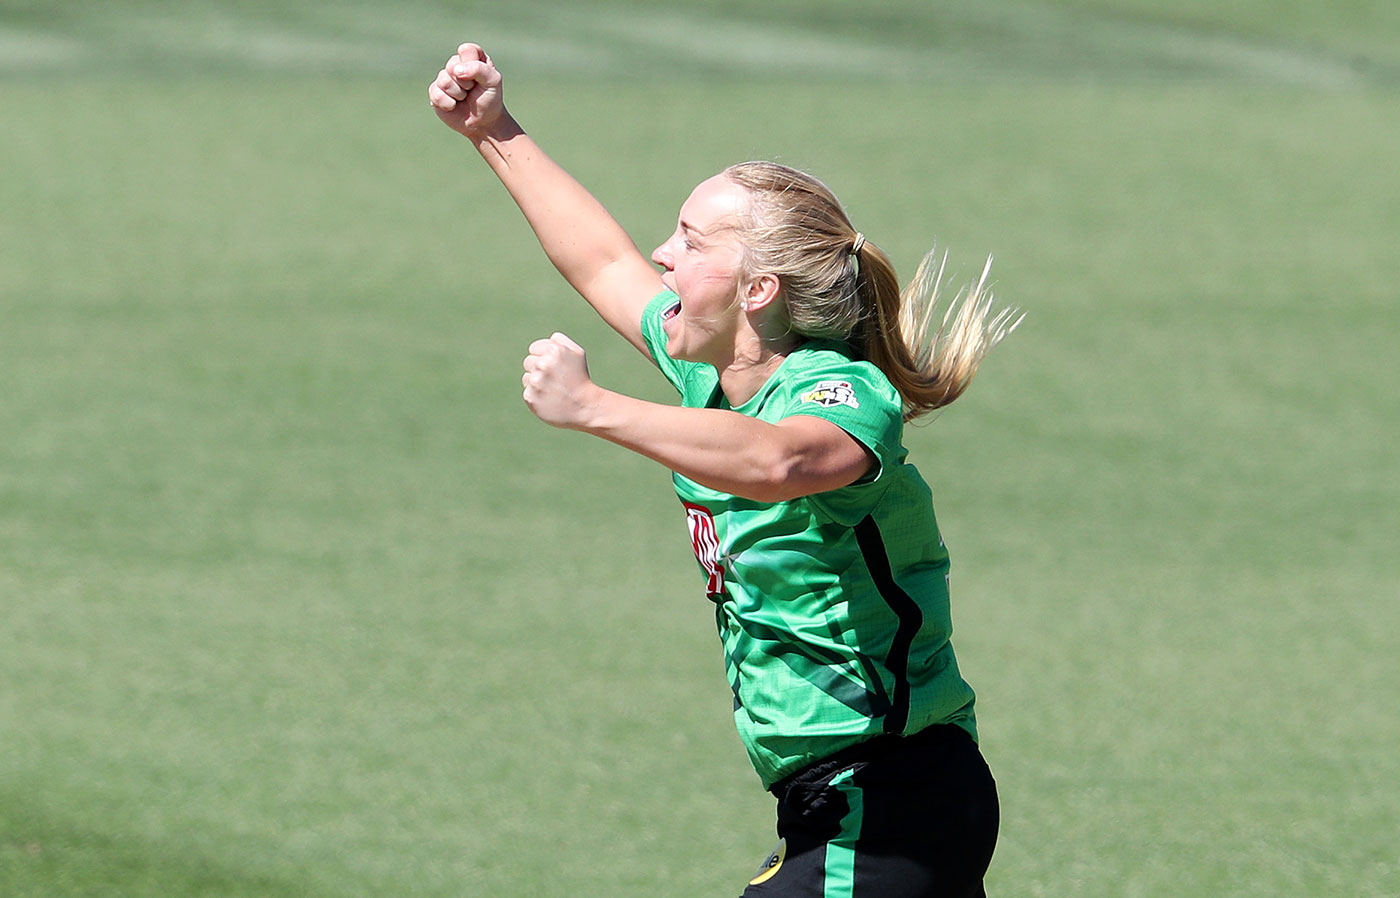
[662, 256]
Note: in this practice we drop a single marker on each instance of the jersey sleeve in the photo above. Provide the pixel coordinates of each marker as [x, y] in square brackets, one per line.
[856, 397]
[677, 372]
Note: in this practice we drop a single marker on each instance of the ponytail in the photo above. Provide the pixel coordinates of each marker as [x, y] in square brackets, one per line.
[929, 367]
[838, 285]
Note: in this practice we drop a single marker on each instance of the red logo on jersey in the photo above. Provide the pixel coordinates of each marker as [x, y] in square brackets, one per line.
[705, 541]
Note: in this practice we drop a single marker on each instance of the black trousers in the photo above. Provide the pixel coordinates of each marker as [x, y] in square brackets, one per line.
[894, 817]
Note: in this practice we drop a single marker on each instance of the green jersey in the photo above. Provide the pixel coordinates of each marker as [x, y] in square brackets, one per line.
[833, 608]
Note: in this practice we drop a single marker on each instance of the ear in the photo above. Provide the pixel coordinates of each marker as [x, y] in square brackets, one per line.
[760, 292]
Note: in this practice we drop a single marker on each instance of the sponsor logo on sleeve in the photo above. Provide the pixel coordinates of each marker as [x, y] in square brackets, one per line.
[832, 392]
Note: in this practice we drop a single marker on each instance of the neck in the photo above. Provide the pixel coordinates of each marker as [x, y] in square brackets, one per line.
[747, 372]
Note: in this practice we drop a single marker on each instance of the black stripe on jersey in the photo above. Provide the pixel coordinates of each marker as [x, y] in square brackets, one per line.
[906, 611]
[881, 704]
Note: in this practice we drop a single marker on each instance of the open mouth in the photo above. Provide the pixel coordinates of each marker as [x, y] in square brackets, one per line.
[671, 311]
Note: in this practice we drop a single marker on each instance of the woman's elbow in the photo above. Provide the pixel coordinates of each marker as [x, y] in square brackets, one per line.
[782, 478]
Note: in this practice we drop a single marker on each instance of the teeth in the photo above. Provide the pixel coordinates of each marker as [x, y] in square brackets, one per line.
[672, 311]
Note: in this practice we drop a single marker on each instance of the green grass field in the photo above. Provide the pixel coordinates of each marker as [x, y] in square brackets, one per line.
[299, 600]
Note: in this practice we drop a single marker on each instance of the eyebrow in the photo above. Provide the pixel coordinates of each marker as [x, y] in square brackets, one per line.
[720, 226]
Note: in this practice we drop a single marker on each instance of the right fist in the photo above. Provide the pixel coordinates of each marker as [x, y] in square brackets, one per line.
[466, 94]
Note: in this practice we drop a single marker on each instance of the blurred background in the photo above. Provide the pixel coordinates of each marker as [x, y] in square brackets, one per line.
[298, 599]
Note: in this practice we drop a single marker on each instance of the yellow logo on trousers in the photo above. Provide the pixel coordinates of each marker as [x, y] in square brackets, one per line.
[771, 865]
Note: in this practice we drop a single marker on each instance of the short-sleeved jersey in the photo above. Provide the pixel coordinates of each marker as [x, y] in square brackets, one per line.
[833, 607]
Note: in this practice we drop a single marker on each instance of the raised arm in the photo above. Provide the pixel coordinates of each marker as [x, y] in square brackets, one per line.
[583, 241]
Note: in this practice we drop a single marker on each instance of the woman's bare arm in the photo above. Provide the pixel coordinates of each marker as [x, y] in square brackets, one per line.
[583, 241]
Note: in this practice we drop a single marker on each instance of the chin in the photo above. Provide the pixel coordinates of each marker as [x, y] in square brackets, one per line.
[677, 352]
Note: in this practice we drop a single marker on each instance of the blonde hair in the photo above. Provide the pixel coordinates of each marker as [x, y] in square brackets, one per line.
[838, 285]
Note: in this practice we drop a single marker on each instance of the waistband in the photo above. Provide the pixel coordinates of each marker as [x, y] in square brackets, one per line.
[872, 749]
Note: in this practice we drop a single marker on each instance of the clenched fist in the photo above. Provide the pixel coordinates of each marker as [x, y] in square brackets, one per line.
[466, 94]
[557, 386]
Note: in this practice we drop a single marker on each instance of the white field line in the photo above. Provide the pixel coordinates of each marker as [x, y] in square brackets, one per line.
[23, 49]
[1031, 39]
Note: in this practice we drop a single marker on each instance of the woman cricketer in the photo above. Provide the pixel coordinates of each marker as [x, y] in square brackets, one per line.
[798, 361]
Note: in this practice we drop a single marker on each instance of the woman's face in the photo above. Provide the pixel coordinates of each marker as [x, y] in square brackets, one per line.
[701, 263]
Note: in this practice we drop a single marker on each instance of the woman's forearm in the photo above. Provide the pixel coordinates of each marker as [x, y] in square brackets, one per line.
[579, 236]
[577, 233]
[730, 452]
[720, 449]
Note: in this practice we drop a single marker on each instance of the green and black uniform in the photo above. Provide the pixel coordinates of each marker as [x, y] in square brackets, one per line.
[833, 608]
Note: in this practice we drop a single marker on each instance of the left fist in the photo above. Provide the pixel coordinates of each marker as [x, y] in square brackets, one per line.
[557, 387]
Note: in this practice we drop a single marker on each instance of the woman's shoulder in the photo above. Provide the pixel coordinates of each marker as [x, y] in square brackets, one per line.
[821, 360]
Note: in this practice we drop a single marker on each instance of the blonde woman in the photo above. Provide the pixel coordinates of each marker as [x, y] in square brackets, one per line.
[798, 361]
